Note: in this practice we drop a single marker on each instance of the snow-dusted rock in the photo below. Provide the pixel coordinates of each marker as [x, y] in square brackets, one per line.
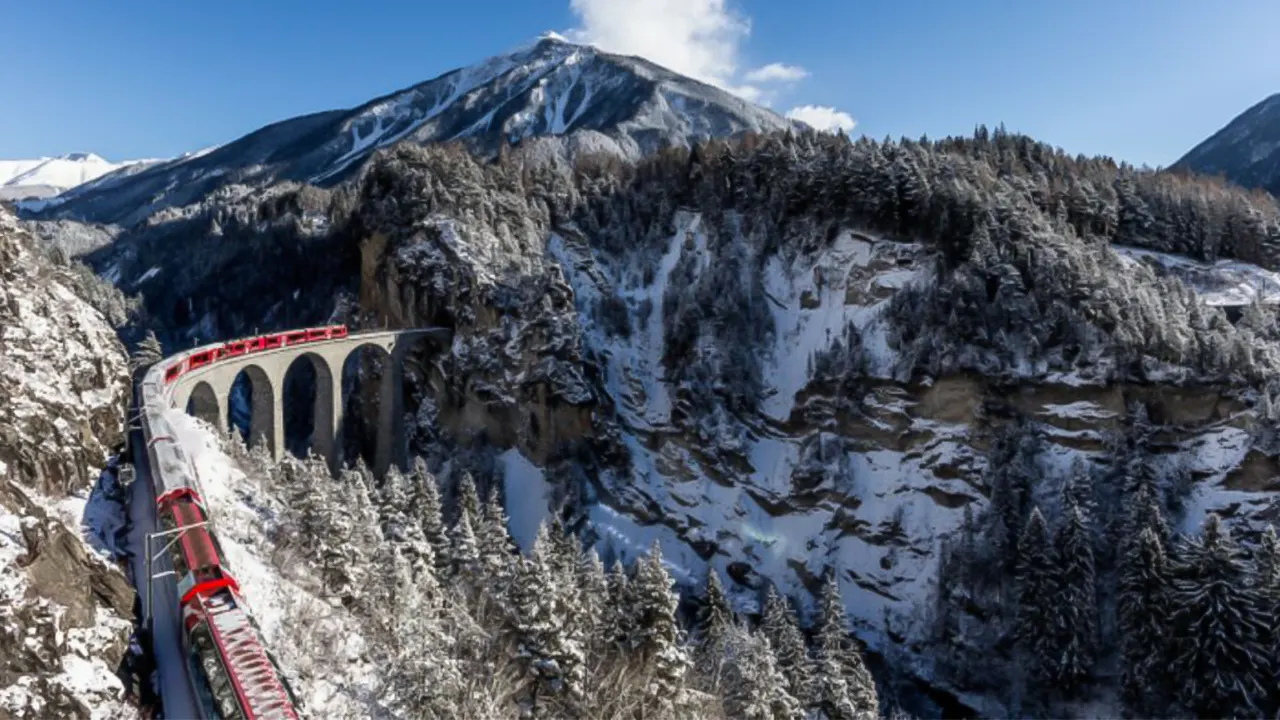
[65, 610]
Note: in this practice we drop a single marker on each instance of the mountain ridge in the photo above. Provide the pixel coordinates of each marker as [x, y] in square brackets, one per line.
[1245, 151]
[548, 87]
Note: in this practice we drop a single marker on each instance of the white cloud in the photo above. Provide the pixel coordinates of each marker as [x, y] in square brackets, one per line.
[823, 118]
[698, 38]
[777, 72]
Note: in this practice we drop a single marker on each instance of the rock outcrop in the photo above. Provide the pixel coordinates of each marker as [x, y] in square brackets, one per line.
[65, 611]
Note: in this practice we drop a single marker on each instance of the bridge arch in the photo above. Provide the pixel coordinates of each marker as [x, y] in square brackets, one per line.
[367, 371]
[263, 424]
[310, 413]
[205, 404]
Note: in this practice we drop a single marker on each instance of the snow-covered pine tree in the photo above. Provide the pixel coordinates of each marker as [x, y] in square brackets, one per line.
[656, 639]
[1266, 573]
[1145, 631]
[1076, 604]
[464, 551]
[843, 688]
[754, 688]
[593, 592]
[497, 551]
[549, 663]
[1036, 628]
[147, 353]
[468, 499]
[425, 498]
[619, 624]
[1219, 658]
[715, 620]
[780, 627]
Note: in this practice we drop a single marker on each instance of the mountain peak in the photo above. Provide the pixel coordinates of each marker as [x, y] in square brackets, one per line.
[82, 157]
[548, 87]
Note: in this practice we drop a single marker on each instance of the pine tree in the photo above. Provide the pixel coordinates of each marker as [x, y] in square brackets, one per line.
[549, 660]
[781, 629]
[619, 624]
[1036, 628]
[1267, 575]
[754, 687]
[715, 620]
[844, 689]
[656, 639]
[1145, 632]
[593, 589]
[497, 551]
[464, 550]
[425, 494]
[1219, 628]
[148, 353]
[1076, 604]
[468, 499]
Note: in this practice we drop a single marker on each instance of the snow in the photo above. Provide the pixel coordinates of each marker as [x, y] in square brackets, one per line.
[527, 493]
[1223, 283]
[244, 513]
[62, 173]
[147, 276]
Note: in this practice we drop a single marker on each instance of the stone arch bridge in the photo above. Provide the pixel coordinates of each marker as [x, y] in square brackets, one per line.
[205, 391]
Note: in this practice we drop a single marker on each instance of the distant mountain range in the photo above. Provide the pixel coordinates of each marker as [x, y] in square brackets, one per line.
[1246, 151]
[549, 87]
[50, 176]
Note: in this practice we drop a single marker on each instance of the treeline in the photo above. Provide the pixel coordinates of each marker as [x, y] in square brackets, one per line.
[460, 624]
[1048, 597]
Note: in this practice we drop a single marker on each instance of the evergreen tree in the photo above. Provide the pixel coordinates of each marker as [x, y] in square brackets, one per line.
[148, 352]
[425, 494]
[1219, 660]
[619, 623]
[754, 687]
[844, 689]
[779, 626]
[1145, 631]
[1036, 626]
[1076, 604]
[496, 548]
[593, 587]
[464, 551]
[715, 620]
[656, 639]
[549, 661]
[468, 499]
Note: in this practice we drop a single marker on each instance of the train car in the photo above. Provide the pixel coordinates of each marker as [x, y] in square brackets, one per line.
[232, 675]
[209, 355]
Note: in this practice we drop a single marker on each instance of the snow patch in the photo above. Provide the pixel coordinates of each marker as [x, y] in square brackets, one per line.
[527, 495]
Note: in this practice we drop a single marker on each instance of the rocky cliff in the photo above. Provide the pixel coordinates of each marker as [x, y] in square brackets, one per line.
[701, 352]
[65, 609]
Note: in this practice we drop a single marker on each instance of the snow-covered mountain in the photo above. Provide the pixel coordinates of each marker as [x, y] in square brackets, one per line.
[46, 177]
[549, 87]
[1246, 151]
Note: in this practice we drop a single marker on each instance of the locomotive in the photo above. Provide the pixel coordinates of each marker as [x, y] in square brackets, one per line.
[233, 675]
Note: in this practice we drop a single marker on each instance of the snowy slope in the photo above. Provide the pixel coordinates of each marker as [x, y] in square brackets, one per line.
[1223, 283]
[50, 176]
[545, 88]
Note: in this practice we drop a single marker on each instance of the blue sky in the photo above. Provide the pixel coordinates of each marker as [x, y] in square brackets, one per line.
[1141, 80]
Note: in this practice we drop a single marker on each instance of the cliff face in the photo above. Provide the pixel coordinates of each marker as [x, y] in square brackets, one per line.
[757, 396]
[65, 611]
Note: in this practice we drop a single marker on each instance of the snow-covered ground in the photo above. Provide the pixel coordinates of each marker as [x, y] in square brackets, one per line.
[319, 648]
[58, 173]
[1223, 283]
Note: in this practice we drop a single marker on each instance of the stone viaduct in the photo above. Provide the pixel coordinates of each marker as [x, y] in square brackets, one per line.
[206, 392]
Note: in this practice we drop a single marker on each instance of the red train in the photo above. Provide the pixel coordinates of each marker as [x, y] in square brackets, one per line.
[236, 348]
[233, 677]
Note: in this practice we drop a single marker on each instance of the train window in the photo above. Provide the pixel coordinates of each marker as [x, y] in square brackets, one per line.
[340, 331]
[172, 372]
[295, 337]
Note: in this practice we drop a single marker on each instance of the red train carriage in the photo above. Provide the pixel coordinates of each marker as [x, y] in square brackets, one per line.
[206, 357]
